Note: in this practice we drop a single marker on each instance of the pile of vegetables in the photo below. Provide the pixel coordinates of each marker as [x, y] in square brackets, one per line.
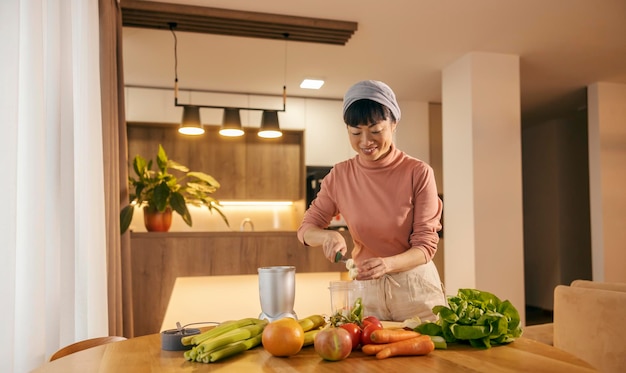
[477, 317]
[227, 339]
[345, 316]
[368, 334]
[311, 326]
[236, 336]
[387, 343]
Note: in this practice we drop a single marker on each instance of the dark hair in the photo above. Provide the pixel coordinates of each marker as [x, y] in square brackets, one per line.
[366, 112]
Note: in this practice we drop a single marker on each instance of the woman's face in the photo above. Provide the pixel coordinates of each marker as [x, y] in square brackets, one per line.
[372, 142]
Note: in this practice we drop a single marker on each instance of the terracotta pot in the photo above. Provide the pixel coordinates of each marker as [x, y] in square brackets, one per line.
[156, 221]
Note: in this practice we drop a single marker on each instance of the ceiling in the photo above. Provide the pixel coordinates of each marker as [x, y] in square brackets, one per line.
[564, 45]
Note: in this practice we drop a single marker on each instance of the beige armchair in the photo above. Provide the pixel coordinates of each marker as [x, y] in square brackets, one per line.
[590, 323]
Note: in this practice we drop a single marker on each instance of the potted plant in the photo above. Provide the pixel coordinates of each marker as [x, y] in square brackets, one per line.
[159, 192]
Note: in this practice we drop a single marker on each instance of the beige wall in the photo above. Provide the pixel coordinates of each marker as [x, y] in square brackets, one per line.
[557, 247]
[436, 162]
[607, 169]
[483, 216]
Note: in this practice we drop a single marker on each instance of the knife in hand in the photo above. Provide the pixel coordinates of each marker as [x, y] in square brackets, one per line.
[339, 258]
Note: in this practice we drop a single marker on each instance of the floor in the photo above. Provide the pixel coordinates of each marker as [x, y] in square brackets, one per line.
[535, 315]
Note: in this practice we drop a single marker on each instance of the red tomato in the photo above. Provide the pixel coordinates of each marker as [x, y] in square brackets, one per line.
[371, 320]
[366, 337]
[355, 333]
[333, 344]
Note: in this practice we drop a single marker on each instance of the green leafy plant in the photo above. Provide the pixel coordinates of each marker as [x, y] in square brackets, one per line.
[353, 315]
[160, 189]
[477, 317]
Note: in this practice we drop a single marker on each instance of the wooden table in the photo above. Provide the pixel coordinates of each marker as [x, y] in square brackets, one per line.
[144, 354]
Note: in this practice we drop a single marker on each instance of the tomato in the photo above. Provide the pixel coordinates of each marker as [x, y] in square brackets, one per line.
[355, 333]
[333, 343]
[371, 320]
[283, 337]
[366, 337]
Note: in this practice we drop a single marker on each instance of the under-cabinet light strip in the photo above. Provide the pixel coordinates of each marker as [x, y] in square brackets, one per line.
[256, 203]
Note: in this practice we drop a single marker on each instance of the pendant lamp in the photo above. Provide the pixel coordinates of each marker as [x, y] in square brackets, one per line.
[269, 125]
[231, 123]
[191, 121]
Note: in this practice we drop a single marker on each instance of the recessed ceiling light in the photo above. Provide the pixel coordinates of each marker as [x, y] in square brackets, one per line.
[311, 84]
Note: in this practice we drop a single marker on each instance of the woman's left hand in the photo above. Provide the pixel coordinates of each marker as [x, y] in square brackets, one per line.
[372, 268]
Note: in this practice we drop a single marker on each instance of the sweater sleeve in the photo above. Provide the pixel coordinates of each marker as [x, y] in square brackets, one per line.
[426, 213]
[322, 209]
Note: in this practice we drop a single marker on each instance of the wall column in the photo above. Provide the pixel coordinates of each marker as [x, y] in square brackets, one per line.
[482, 169]
[607, 180]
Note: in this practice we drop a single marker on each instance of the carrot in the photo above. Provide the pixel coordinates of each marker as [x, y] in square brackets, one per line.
[421, 345]
[374, 348]
[392, 335]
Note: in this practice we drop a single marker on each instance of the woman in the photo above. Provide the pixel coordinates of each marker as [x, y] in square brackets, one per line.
[389, 201]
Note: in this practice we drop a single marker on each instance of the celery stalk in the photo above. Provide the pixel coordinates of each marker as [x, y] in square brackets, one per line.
[220, 329]
[232, 336]
[235, 348]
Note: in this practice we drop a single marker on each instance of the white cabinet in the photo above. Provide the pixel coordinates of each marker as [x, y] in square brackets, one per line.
[157, 106]
[325, 137]
[152, 105]
[412, 134]
[294, 117]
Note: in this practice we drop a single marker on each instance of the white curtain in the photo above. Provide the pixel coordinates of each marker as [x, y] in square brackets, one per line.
[53, 263]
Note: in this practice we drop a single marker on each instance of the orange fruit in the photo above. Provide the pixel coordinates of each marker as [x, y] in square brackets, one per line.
[283, 337]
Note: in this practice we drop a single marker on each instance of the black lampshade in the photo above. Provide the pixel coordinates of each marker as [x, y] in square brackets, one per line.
[191, 121]
[269, 125]
[231, 124]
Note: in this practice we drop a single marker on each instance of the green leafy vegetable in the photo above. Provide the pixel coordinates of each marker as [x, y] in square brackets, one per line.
[477, 317]
[354, 315]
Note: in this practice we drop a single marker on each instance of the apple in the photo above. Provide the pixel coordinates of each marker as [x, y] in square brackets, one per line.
[333, 343]
[355, 333]
[366, 337]
[371, 320]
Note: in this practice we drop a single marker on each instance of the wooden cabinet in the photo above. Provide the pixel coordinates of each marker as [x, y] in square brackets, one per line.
[157, 259]
[247, 167]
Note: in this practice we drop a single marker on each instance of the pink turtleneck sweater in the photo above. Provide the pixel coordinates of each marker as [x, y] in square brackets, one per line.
[389, 205]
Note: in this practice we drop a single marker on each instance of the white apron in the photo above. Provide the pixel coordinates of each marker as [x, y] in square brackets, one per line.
[404, 295]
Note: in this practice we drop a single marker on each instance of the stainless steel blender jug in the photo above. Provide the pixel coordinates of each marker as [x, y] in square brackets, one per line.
[277, 292]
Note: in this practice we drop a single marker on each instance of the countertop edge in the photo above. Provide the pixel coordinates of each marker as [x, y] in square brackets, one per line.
[210, 234]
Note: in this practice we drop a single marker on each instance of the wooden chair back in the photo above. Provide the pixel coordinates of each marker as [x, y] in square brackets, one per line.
[85, 344]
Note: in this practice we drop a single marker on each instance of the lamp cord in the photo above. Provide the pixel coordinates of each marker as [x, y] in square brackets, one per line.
[285, 67]
[172, 25]
[285, 74]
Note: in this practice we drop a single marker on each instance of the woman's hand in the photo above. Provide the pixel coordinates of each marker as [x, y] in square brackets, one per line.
[372, 268]
[332, 244]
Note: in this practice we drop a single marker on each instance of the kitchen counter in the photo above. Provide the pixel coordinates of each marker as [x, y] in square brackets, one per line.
[194, 298]
[144, 354]
[157, 259]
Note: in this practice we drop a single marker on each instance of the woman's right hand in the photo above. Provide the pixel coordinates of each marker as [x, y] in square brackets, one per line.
[333, 243]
